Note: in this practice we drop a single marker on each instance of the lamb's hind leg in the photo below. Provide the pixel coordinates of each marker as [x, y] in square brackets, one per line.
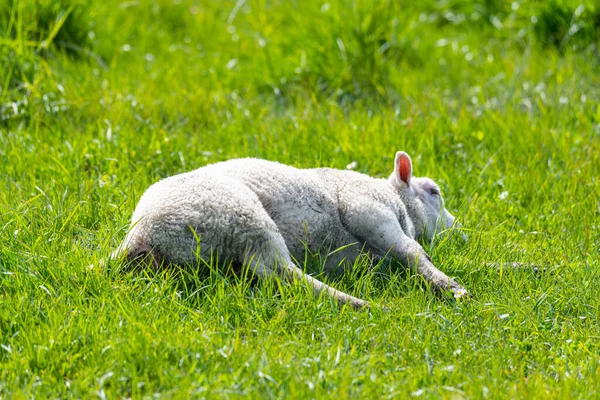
[272, 256]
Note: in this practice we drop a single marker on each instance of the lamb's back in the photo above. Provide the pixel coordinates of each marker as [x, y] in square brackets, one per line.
[301, 204]
[273, 182]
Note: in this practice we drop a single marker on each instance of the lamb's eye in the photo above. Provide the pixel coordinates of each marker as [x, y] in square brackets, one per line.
[434, 192]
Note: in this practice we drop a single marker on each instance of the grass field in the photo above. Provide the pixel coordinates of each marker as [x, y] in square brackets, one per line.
[497, 101]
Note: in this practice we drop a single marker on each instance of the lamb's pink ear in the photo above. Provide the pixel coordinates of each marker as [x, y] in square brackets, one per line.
[403, 168]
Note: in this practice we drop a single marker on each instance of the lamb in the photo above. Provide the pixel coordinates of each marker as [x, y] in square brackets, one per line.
[263, 214]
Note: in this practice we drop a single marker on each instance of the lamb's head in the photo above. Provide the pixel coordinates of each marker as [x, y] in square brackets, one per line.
[423, 200]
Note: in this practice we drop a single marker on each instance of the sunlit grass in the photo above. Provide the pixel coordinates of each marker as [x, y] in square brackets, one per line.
[506, 121]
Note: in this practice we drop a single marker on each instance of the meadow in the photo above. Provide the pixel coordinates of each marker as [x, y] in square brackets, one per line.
[498, 101]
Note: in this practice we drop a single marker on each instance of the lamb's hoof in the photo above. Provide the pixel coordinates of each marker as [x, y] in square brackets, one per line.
[459, 293]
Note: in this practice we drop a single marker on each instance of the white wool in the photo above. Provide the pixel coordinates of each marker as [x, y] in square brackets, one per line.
[265, 213]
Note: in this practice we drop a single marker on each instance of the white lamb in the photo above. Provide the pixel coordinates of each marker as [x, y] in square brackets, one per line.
[262, 213]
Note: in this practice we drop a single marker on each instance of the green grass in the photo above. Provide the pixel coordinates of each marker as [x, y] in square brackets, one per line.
[100, 99]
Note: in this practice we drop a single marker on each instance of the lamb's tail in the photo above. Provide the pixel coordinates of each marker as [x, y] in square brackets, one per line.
[135, 253]
[140, 256]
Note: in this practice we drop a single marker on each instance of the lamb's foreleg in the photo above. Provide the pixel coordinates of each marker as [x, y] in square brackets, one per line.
[389, 238]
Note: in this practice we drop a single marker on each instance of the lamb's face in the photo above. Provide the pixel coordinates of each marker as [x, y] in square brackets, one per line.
[435, 216]
[425, 195]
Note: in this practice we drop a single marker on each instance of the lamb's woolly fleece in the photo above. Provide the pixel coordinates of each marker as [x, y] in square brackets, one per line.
[263, 212]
